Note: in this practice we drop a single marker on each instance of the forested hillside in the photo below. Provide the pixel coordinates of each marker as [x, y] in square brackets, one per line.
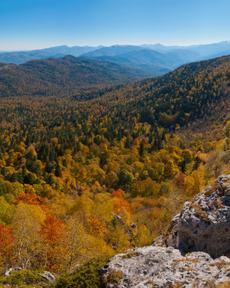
[60, 77]
[193, 91]
[91, 175]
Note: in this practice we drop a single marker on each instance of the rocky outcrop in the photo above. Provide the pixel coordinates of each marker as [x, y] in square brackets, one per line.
[165, 267]
[194, 253]
[204, 223]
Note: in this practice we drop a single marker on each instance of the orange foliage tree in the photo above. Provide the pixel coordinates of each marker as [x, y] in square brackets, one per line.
[6, 245]
[52, 232]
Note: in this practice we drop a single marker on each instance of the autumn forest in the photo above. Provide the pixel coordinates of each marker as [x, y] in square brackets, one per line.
[103, 169]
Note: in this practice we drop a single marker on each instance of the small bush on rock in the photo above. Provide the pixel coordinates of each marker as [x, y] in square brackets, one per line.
[22, 278]
[87, 276]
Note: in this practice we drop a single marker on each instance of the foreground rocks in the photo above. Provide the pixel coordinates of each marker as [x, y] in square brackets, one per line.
[165, 267]
[204, 223]
[194, 253]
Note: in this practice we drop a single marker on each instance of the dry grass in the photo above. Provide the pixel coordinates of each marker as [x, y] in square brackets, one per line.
[114, 276]
[199, 212]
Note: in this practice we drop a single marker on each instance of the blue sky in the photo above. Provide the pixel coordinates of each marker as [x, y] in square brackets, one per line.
[29, 24]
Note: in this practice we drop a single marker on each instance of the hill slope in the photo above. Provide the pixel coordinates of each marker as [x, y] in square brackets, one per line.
[190, 92]
[60, 76]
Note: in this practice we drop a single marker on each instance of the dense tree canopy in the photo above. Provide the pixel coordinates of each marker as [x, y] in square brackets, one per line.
[96, 173]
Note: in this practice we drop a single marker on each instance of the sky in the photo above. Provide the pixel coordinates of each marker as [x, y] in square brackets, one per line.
[31, 24]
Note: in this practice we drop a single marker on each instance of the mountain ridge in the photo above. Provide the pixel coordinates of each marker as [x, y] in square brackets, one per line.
[60, 76]
[170, 56]
[178, 97]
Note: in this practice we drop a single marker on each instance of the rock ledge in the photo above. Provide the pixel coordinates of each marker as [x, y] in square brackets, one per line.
[165, 267]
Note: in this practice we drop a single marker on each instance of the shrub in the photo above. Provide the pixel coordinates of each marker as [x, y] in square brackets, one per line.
[87, 276]
[114, 276]
[22, 278]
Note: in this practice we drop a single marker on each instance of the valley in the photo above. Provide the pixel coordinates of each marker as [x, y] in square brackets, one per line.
[91, 166]
[114, 144]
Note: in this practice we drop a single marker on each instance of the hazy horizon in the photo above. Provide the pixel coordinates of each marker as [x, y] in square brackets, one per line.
[116, 44]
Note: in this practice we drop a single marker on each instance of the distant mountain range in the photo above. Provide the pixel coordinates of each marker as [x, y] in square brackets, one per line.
[158, 59]
[62, 76]
[20, 57]
[150, 60]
